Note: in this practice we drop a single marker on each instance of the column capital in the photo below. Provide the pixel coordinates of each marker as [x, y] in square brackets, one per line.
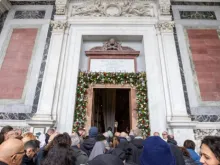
[61, 7]
[164, 7]
[4, 6]
[165, 26]
[59, 26]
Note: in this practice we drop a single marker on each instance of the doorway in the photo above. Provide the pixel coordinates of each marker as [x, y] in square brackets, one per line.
[111, 105]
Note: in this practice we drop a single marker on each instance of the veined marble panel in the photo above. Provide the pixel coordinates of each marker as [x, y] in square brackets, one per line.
[31, 110]
[196, 3]
[29, 14]
[32, 2]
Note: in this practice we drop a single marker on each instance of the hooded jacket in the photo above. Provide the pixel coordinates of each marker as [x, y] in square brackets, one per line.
[81, 157]
[98, 149]
[156, 152]
[88, 145]
[177, 154]
[139, 144]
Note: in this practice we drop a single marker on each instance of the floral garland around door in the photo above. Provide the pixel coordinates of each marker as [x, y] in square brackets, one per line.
[136, 80]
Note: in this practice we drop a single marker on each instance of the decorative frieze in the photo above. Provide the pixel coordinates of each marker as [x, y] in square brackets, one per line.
[206, 118]
[58, 25]
[164, 6]
[123, 8]
[166, 26]
[201, 133]
[29, 14]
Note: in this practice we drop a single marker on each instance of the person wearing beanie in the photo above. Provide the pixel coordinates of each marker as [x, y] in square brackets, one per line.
[156, 152]
[93, 132]
[89, 143]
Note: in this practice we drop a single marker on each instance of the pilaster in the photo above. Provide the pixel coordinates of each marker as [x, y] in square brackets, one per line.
[44, 115]
[178, 121]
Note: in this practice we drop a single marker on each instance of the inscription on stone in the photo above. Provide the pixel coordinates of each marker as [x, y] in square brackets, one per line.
[112, 65]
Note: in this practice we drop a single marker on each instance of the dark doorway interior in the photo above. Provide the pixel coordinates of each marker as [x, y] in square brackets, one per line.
[121, 109]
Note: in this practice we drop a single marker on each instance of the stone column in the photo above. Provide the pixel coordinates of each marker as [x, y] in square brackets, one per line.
[43, 116]
[178, 120]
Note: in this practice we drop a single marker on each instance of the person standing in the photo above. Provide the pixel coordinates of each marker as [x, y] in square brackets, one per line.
[165, 136]
[43, 138]
[156, 152]
[190, 146]
[89, 143]
[11, 152]
[210, 150]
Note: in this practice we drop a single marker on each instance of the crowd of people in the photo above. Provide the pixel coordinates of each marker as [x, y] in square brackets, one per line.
[119, 148]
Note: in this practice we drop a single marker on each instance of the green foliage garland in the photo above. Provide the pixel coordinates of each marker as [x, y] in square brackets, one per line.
[137, 80]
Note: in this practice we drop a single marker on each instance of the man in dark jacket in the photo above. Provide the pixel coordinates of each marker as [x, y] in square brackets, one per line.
[177, 154]
[81, 157]
[89, 143]
[31, 147]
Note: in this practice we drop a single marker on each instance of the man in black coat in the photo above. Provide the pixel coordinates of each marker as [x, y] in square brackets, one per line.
[89, 143]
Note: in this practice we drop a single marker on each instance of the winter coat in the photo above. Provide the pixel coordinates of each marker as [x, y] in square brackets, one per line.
[194, 156]
[129, 149]
[81, 157]
[177, 154]
[189, 161]
[106, 159]
[88, 145]
[98, 149]
[27, 161]
[139, 144]
[156, 152]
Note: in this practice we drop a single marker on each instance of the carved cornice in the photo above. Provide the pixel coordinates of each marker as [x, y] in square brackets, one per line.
[58, 26]
[112, 48]
[166, 26]
[120, 8]
[4, 6]
[164, 6]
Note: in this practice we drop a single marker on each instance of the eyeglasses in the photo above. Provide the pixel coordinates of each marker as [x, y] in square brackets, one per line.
[164, 134]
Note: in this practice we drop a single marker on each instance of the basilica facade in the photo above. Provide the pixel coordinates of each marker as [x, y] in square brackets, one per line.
[63, 62]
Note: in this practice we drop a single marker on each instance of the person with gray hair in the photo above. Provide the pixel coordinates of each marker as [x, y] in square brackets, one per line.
[81, 157]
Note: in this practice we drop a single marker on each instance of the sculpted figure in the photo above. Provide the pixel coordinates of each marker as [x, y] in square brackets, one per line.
[112, 45]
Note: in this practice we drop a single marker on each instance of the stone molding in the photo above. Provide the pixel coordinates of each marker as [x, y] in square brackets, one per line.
[122, 8]
[165, 26]
[201, 133]
[164, 7]
[4, 6]
[58, 26]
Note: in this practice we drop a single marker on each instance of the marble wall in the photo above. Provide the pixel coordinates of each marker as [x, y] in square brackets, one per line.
[30, 14]
[186, 14]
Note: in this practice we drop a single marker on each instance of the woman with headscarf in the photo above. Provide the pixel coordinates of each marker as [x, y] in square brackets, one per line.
[156, 152]
[98, 149]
